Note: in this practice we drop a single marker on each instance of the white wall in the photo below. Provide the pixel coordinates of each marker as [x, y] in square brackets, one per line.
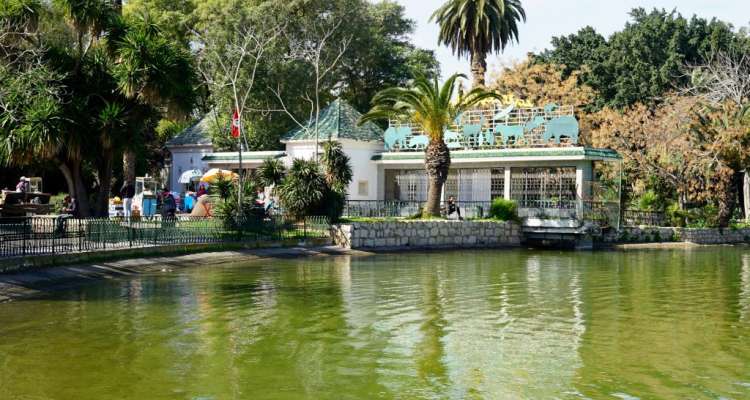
[184, 159]
[364, 171]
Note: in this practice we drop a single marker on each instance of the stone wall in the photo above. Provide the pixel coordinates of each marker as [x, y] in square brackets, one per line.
[426, 234]
[691, 235]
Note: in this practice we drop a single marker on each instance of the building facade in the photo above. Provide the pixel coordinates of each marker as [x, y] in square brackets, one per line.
[529, 155]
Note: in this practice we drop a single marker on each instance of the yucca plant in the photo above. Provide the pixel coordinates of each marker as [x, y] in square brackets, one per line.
[432, 107]
[303, 188]
[338, 168]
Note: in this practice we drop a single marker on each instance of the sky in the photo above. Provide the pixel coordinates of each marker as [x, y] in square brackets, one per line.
[548, 18]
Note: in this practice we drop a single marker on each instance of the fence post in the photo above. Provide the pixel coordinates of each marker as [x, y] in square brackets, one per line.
[25, 229]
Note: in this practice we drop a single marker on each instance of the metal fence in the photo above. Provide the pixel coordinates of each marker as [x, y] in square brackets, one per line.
[405, 209]
[605, 214]
[30, 236]
[647, 218]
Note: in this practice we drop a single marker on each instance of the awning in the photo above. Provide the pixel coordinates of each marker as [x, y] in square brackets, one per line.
[191, 175]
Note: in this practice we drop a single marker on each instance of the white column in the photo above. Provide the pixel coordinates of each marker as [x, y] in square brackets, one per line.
[506, 187]
[584, 172]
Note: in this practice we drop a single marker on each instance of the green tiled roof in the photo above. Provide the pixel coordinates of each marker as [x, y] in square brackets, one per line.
[195, 135]
[337, 121]
[505, 153]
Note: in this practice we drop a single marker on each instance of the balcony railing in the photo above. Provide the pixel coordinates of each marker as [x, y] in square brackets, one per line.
[494, 128]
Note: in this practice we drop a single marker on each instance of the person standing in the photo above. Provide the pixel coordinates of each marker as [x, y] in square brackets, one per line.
[453, 208]
[127, 192]
[23, 185]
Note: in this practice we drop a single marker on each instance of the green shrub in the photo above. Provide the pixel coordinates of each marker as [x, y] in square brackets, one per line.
[504, 210]
[649, 201]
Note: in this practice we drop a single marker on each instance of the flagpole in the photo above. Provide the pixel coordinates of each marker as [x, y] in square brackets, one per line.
[240, 188]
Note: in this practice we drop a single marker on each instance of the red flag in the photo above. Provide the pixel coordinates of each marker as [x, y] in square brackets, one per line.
[236, 124]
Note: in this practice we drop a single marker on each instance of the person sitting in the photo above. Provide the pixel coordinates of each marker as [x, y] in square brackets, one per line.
[23, 185]
[69, 210]
[168, 204]
[453, 208]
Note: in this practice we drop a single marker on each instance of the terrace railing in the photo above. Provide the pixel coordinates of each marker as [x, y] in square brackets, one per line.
[647, 218]
[495, 127]
[31, 236]
[604, 214]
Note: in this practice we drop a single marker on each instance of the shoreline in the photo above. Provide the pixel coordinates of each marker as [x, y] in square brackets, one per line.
[38, 281]
[32, 282]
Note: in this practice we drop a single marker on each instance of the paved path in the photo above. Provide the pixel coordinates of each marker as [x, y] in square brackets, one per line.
[32, 283]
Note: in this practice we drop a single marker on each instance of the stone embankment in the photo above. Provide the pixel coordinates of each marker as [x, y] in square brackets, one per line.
[705, 236]
[439, 234]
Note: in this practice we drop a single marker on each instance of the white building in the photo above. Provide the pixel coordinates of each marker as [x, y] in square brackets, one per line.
[531, 156]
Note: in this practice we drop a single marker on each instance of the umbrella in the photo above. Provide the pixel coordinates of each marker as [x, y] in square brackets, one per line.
[214, 174]
[191, 175]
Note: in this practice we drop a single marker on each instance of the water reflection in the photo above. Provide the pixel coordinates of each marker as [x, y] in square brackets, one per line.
[484, 325]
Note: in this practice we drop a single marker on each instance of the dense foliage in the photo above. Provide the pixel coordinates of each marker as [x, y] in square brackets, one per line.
[88, 82]
[670, 94]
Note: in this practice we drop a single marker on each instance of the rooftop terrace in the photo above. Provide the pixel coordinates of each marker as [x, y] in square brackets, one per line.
[494, 127]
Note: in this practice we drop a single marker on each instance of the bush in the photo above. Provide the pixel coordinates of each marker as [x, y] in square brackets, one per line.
[649, 201]
[504, 210]
[303, 188]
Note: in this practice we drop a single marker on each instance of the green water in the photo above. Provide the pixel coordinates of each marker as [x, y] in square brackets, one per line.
[463, 325]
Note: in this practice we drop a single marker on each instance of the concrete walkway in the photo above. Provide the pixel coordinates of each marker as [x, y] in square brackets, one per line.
[34, 282]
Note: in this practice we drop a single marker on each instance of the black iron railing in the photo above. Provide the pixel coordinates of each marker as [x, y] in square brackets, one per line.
[29, 236]
[404, 209]
[647, 218]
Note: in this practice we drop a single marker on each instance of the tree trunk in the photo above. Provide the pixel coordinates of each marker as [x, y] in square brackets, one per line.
[68, 178]
[437, 160]
[105, 183]
[478, 69]
[728, 200]
[76, 186]
[128, 166]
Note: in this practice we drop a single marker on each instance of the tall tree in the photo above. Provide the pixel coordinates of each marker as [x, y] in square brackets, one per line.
[478, 28]
[433, 108]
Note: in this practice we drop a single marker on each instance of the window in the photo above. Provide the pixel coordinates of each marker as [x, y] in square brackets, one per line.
[497, 183]
[363, 188]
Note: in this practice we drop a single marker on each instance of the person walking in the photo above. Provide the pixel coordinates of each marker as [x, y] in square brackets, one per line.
[127, 192]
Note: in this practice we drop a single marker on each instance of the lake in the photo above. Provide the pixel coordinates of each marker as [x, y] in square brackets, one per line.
[511, 324]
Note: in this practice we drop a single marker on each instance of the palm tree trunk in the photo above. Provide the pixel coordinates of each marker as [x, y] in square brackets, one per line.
[128, 166]
[478, 69]
[437, 160]
[76, 186]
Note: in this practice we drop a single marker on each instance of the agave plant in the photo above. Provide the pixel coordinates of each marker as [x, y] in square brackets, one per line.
[432, 107]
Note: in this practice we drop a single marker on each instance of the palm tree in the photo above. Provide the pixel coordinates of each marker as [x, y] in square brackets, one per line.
[477, 28]
[154, 72]
[433, 108]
